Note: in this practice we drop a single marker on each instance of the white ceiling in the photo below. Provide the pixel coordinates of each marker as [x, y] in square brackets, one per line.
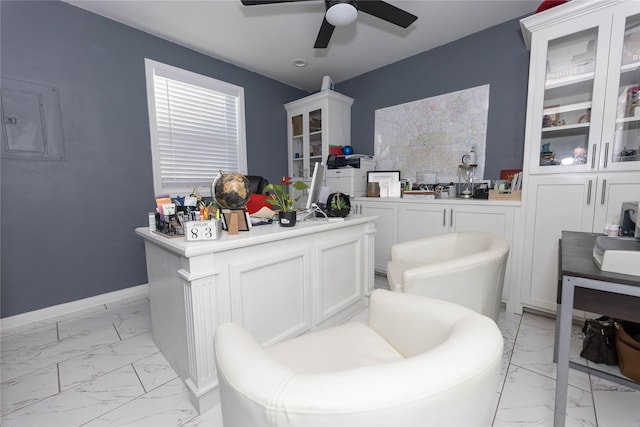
[267, 38]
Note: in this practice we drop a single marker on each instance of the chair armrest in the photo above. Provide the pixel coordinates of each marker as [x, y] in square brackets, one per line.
[255, 375]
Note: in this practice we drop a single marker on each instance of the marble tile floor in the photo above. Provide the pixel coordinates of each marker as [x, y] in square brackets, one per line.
[101, 367]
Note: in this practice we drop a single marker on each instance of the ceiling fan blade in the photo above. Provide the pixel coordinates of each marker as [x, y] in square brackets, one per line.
[383, 10]
[324, 35]
[259, 2]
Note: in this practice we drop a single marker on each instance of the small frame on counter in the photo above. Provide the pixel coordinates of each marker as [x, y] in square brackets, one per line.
[243, 220]
[383, 176]
[389, 182]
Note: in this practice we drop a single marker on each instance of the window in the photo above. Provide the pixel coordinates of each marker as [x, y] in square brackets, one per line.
[196, 127]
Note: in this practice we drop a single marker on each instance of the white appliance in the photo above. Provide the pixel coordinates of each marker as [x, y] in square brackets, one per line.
[617, 254]
[620, 254]
[349, 180]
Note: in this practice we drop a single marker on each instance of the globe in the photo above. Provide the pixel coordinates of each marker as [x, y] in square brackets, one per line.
[347, 150]
[232, 190]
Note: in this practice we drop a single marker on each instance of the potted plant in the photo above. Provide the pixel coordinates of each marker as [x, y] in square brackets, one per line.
[282, 201]
[338, 205]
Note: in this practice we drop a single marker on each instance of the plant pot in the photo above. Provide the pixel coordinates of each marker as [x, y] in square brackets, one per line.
[338, 213]
[287, 219]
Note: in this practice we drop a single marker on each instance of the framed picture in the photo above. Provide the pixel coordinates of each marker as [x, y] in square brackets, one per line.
[389, 182]
[243, 222]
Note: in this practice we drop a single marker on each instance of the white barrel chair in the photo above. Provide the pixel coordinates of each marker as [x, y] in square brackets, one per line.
[419, 361]
[465, 268]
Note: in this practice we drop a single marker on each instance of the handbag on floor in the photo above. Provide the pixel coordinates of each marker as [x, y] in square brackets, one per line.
[599, 342]
[628, 350]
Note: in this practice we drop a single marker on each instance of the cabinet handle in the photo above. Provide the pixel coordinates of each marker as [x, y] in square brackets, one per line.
[604, 191]
[606, 155]
[444, 217]
[593, 156]
[451, 217]
[589, 193]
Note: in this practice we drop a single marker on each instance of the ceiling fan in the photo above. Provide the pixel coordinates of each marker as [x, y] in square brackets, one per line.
[344, 12]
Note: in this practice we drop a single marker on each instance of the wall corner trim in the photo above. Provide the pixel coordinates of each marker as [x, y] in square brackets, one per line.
[49, 313]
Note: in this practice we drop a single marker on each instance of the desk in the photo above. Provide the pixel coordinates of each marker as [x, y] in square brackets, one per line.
[585, 287]
[278, 282]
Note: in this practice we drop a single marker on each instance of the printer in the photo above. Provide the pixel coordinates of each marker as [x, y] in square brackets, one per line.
[617, 254]
[354, 161]
[348, 174]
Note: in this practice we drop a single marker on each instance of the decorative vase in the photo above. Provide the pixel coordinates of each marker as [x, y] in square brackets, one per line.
[287, 219]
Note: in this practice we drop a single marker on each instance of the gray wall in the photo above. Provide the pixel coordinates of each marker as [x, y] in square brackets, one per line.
[67, 226]
[496, 56]
[81, 212]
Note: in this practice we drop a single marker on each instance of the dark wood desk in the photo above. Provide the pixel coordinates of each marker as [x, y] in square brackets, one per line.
[585, 287]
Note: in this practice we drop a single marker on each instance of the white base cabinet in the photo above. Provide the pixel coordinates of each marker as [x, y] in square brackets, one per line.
[401, 220]
[573, 202]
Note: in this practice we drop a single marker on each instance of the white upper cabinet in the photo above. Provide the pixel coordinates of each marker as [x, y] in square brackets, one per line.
[315, 123]
[584, 83]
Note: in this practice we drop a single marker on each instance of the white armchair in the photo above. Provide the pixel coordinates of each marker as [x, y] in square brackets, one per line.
[419, 361]
[464, 268]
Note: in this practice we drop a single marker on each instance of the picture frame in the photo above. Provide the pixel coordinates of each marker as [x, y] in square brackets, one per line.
[386, 180]
[243, 222]
[383, 176]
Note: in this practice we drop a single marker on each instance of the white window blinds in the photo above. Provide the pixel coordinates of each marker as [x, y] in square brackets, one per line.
[197, 129]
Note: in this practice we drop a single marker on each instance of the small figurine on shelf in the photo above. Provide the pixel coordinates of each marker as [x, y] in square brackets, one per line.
[547, 157]
[633, 101]
[579, 155]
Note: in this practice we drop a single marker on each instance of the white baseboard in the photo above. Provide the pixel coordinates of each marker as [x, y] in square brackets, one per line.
[72, 307]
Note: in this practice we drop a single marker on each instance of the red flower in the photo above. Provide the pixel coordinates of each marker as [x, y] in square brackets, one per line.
[286, 180]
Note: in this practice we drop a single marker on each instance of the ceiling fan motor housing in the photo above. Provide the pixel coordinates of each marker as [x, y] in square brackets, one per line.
[341, 12]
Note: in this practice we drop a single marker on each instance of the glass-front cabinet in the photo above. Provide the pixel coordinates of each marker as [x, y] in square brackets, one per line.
[306, 142]
[624, 114]
[582, 137]
[315, 124]
[585, 85]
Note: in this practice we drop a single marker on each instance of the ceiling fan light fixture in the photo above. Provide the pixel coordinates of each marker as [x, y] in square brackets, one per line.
[341, 13]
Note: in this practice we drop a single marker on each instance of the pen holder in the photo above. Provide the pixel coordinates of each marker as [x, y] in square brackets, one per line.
[169, 225]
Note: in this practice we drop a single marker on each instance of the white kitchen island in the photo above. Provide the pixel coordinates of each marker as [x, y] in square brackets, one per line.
[278, 282]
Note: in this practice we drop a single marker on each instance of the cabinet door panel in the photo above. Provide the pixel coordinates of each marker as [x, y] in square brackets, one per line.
[555, 204]
[336, 292]
[568, 64]
[416, 221]
[473, 220]
[386, 231]
[490, 219]
[621, 130]
[613, 189]
[272, 310]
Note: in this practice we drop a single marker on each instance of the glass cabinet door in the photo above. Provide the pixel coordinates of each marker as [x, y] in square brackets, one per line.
[297, 146]
[569, 100]
[624, 112]
[315, 139]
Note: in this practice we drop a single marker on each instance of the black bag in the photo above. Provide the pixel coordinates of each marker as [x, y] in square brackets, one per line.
[599, 342]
